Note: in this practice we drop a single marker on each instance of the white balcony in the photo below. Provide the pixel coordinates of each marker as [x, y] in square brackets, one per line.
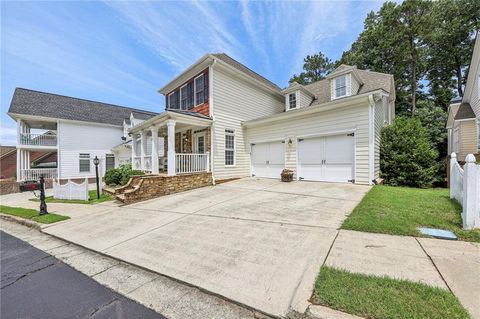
[38, 139]
[35, 173]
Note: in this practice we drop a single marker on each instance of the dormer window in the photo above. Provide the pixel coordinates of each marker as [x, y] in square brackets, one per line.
[292, 100]
[340, 86]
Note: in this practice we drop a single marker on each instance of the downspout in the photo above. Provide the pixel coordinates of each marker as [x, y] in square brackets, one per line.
[371, 139]
[212, 115]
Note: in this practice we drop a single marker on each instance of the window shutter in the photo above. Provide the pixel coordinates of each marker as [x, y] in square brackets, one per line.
[205, 87]
[190, 95]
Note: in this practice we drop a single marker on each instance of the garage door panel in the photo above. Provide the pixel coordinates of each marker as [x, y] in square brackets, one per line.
[268, 159]
[311, 150]
[328, 158]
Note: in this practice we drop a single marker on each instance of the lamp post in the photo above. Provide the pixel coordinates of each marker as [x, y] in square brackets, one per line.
[96, 161]
[43, 205]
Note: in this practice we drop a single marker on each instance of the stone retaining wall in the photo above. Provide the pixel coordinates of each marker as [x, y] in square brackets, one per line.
[159, 185]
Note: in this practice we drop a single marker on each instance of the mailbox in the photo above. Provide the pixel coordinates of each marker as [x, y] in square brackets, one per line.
[30, 186]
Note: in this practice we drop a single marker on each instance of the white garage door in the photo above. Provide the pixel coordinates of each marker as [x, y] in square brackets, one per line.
[268, 159]
[328, 158]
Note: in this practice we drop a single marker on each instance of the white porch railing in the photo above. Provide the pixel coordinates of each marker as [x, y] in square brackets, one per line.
[191, 163]
[148, 163]
[137, 162]
[465, 188]
[38, 139]
[35, 173]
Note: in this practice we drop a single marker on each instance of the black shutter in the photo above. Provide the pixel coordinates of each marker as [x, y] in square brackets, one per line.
[205, 87]
[190, 94]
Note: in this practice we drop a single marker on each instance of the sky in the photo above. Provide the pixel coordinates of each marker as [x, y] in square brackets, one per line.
[122, 52]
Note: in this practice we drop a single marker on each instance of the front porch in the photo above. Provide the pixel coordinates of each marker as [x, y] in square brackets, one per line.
[172, 143]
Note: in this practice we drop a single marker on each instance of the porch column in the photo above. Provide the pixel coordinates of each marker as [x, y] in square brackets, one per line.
[154, 131]
[19, 157]
[171, 147]
[143, 147]
[134, 150]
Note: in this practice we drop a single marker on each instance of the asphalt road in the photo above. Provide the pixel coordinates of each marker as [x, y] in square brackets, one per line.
[37, 285]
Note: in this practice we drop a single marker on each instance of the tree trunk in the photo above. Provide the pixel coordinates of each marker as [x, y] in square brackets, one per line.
[459, 77]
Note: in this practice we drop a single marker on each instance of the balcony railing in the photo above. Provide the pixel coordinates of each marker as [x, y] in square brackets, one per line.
[38, 139]
[191, 163]
[35, 173]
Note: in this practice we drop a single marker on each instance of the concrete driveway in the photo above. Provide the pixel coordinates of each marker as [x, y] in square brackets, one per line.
[258, 242]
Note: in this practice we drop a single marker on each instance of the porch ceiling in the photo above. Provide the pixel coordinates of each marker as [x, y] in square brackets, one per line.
[181, 121]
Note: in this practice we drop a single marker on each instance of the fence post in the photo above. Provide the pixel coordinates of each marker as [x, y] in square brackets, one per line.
[453, 162]
[470, 193]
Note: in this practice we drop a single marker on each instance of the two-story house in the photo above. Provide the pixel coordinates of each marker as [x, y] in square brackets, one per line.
[76, 130]
[225, 118]
[463, 124]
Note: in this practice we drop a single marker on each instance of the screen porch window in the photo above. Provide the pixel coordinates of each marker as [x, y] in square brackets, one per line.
[340, 86]
[109, 162]
[199, 90]
[292, 100]
[229, 147]
[84, 162]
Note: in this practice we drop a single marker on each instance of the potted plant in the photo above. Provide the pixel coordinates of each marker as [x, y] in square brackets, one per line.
[287, 175]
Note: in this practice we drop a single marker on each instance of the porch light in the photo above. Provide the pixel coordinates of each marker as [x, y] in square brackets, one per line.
[96, 161]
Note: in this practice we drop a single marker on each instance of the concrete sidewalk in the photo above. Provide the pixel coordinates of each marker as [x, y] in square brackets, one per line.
[453, 265]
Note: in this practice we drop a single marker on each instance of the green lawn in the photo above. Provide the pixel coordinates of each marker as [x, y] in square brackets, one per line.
[32, 214]
[91, 194]
[381, 297]
[400, 210]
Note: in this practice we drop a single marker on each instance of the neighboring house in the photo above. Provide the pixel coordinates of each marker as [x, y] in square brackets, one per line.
[8, 161]
[77, 131]
[463, 122]
[225, 118]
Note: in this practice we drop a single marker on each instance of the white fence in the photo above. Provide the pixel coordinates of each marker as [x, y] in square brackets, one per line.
[191, 163]
[465, 188]
[71, 190]
[35, 173]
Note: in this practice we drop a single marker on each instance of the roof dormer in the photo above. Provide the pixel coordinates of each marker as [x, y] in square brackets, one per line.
[344, 81]
[297, 96]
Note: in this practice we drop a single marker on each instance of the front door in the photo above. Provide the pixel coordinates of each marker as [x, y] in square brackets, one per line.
[200, 143]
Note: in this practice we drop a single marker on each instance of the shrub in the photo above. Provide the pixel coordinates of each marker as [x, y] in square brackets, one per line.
[127, 174]
[113, 176]
[407, 155]
[120, 175]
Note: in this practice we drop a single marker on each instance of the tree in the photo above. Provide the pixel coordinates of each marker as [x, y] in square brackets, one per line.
[407, 156]
[315, 67]
[391, 42]
[450, 43]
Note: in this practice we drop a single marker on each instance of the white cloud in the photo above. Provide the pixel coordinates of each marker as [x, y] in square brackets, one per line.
[8, 135]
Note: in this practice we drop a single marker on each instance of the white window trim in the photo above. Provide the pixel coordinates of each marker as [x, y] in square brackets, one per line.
[180, 93]
[335, 86]
[234, 147]
[296, 101]
[89, 163]
[195, 89]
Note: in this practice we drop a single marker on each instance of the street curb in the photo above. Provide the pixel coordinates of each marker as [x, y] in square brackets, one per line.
[21, 221]
[321, 312]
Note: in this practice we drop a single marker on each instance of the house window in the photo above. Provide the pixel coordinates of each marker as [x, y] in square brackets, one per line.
[199, 90]
[173, 100]
[341, 86]
[109, 162]
[229, 147]
[84, 162]
[292, 100]
[190, 95]
[183, 97]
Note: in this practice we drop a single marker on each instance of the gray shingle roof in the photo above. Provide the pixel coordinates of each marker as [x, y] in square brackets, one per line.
[464, 112]
[237, 65]
[371, 81]
[30, 102]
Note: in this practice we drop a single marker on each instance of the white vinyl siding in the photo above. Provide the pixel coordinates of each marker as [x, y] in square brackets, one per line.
[305, 99]
[88, 138]
[236, 100]
[318, 124]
